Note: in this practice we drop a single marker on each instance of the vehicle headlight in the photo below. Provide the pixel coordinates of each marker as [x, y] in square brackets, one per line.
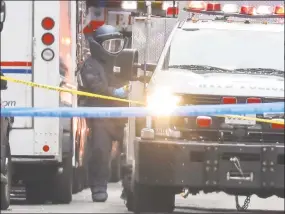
[162, 102]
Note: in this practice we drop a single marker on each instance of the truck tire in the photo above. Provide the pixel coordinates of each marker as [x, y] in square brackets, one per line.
[37, 192]
[116, 169]
[154, 199]
[6, 188]
[62, 184]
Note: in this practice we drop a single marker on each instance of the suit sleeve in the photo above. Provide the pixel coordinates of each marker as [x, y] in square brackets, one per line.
[96, 80]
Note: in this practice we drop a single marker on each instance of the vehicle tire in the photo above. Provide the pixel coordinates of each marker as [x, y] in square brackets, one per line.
[62, 184]
[6, 188]
[146, 198]
[116, 169]
[37, 192]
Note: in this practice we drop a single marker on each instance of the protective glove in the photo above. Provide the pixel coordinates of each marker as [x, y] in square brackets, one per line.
[121, 92]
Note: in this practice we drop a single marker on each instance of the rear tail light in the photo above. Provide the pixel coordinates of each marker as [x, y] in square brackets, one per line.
[229, 100]
[48, 39]
[47, 23]
[278, 124]
[253, 100]
[172, 11]
[45, 148]
[213, 7]
[203, 121]
[47, 54]
[247, 10]
[279, 10]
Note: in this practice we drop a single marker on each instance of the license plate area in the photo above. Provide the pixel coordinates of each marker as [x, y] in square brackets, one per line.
[238, 121]
[221, 171]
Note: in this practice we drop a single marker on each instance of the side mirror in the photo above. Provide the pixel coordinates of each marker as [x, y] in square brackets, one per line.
[125, 65]
[2, 15]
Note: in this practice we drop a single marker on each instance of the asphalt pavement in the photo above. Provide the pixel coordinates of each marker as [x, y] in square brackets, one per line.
[201, 203]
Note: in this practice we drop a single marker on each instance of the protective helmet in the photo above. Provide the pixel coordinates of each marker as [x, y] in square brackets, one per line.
[106, 43]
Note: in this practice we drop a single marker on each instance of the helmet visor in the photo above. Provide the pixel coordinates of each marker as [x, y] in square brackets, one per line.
[114, 46]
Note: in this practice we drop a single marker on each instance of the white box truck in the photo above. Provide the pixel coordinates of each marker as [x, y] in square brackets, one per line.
[39, 44]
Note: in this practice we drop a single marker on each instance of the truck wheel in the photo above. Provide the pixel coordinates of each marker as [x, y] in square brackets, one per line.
[37, 192]
[148, 198]
[62, 185]
[116, 169]
[6, 187]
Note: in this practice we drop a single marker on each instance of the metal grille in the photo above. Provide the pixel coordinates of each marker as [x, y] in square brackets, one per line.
[159, 33]
[190, 131]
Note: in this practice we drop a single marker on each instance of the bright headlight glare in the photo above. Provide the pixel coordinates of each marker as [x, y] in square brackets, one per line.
[162, 102]
[129, 5]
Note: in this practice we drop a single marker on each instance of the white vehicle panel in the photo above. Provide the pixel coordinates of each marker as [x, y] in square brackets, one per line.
[16, 37]
[20, 96]
[46, 129]
[219, 84]
[21, 142]
[16, 57]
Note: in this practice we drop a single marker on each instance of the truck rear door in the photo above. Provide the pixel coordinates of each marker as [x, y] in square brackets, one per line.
[16, 57]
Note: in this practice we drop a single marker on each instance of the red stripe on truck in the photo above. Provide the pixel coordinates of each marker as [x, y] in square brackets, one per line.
[16, 63]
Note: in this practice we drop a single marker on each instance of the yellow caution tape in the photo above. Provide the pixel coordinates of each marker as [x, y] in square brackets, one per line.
[72, 91]
[87, 94]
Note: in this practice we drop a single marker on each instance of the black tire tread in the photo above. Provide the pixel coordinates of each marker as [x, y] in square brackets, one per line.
[62, 185]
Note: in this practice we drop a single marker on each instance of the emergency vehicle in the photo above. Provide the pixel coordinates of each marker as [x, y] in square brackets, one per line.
[220, 54]
[39, 44]
[122, 13]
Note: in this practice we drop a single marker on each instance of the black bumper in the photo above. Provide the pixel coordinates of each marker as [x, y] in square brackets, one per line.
[207, 165]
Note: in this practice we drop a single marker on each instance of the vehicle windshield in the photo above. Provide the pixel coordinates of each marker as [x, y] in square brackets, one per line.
[226, 49]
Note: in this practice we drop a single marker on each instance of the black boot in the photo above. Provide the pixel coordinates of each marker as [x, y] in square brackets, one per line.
[99, 194]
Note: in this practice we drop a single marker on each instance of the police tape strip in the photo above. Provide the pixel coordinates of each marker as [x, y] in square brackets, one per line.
[229, 116]
[123, 112]
[82, 93]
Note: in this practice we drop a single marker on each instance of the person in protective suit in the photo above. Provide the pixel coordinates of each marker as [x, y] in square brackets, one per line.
[105, 44]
